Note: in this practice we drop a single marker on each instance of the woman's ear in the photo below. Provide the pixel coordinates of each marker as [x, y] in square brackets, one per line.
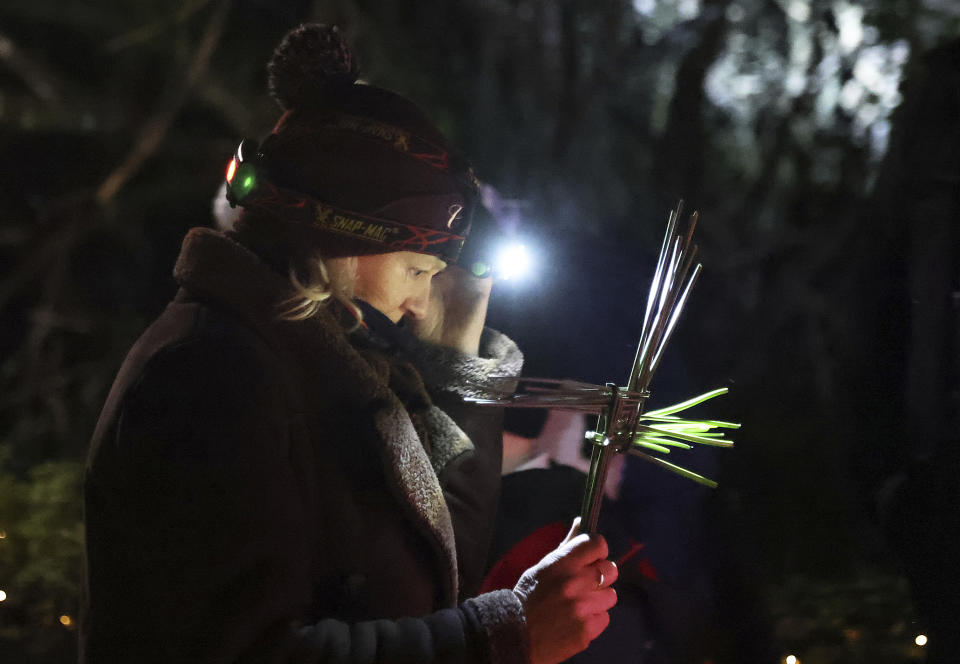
[352, 263]
[343, 273]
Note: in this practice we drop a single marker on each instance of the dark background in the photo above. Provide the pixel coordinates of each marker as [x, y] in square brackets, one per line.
[818, 139]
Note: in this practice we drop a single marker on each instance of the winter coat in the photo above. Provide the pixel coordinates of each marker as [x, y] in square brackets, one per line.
[258, 491]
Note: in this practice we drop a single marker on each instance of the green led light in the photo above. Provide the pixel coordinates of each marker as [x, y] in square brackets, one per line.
[246, 181]
[480, 269]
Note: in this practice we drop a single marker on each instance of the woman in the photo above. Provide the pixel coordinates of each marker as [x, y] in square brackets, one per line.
[282, 471]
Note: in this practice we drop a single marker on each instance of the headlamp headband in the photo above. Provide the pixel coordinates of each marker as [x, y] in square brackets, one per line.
[248, 187]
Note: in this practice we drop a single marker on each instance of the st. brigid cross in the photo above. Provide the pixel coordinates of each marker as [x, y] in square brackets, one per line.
[622, 424]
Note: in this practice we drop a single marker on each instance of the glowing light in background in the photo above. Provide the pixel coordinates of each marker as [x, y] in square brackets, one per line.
[748, 77]
[921, 640]
[688, 9]
[66, 620]
[850, 23]
[791, 659]
[3, 596]
[799, 11]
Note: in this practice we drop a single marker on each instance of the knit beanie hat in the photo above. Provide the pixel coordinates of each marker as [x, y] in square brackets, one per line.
[353, 168]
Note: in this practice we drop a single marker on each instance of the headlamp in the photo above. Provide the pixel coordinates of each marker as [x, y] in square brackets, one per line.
[242, 177]
[512, 261]
[249, 186]
[490, 252]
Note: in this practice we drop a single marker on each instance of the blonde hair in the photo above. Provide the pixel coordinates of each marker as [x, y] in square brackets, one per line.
[325, 279]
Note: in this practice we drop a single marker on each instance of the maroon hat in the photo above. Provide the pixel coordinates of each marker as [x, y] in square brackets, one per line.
[362, 167]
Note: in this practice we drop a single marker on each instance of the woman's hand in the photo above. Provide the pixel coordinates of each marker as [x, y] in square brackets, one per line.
[566, 597]
[456, 311]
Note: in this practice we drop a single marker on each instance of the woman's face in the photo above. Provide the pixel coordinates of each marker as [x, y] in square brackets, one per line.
[397, 284]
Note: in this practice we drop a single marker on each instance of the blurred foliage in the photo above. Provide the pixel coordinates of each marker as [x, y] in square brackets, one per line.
[41, 543]
[862, 619]
[771, 116]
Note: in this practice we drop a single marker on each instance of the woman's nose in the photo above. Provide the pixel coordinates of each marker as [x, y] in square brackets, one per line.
[417, 303]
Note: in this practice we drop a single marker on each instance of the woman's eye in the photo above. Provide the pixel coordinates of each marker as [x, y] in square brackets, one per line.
[417, 272]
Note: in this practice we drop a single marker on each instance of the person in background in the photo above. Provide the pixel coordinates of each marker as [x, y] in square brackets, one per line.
[285, 468]
[544, 470]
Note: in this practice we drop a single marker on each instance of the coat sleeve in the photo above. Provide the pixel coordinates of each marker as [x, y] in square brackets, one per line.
[200, 532]
[445, 636]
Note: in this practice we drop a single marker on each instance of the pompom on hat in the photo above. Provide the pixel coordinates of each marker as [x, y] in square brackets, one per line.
[355, 168]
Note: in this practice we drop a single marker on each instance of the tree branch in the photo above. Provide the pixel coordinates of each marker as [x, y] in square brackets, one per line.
[155, 128]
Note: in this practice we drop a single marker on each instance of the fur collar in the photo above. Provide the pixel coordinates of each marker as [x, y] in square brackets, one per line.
[213, 267]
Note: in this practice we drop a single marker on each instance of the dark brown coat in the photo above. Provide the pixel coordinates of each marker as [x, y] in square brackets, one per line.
[256, 490]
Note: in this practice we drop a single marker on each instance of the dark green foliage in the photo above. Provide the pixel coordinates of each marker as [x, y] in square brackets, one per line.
[41, 540]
